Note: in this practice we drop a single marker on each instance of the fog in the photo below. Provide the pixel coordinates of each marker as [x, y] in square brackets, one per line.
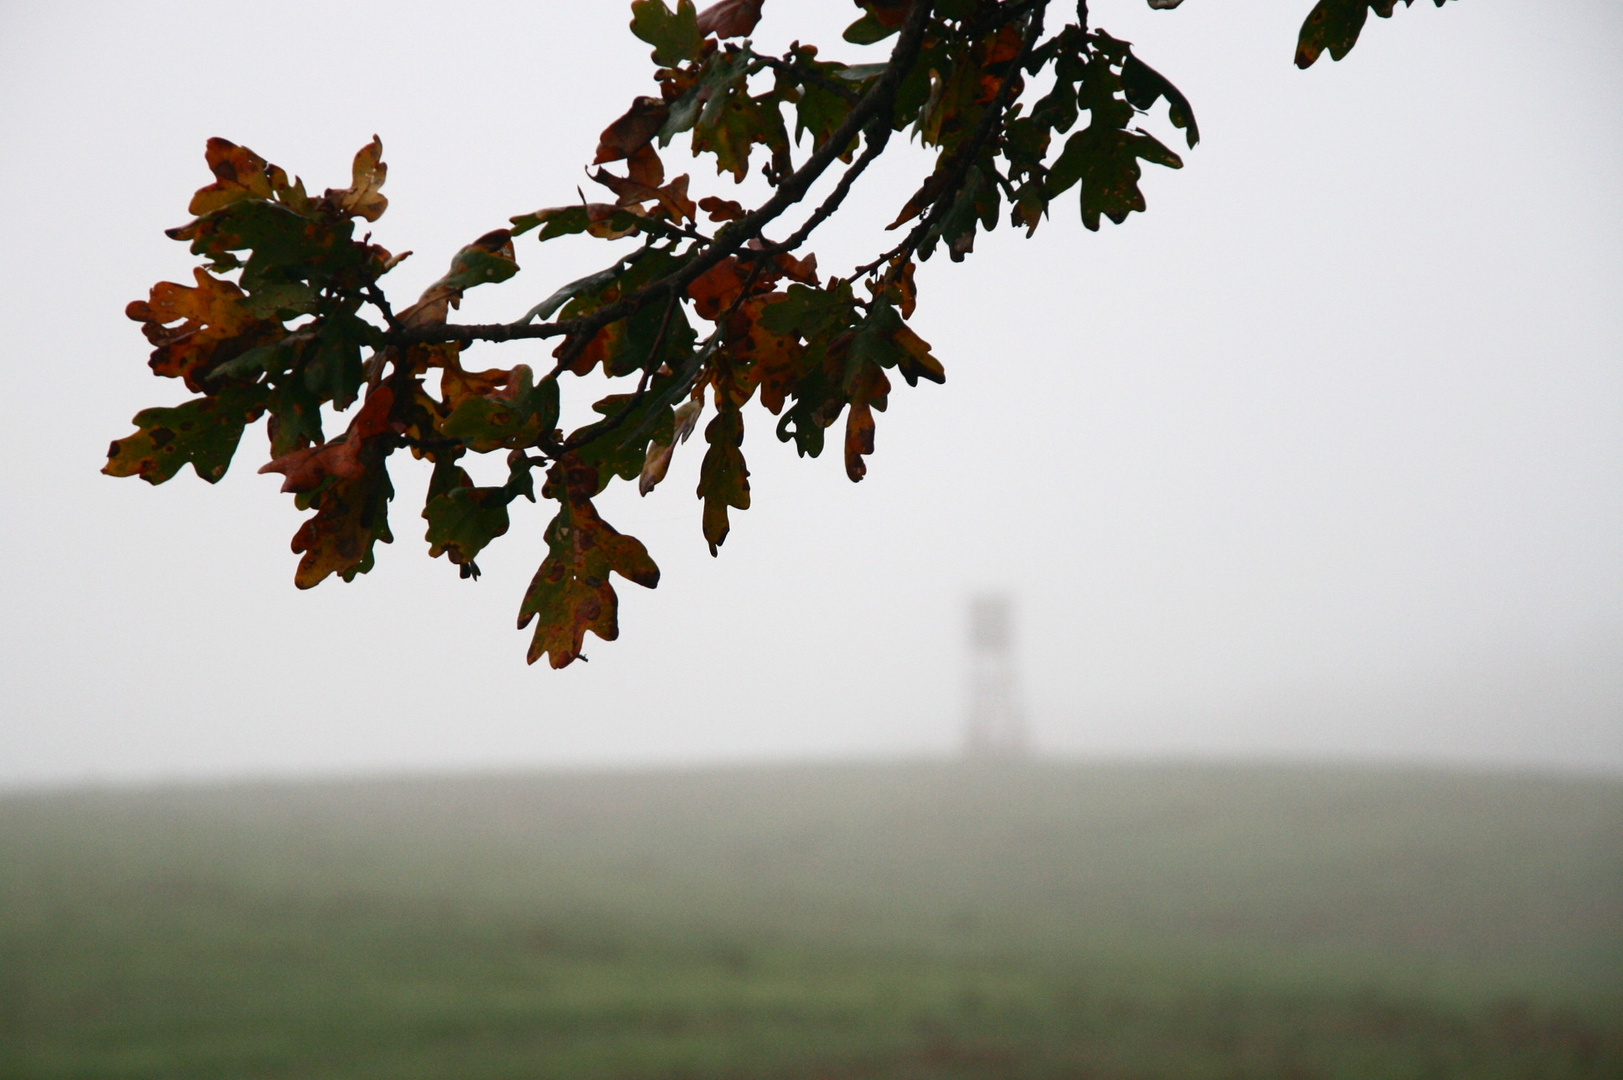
[1321, 457]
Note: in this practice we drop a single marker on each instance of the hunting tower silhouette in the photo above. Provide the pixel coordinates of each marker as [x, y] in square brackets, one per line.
[996, 724]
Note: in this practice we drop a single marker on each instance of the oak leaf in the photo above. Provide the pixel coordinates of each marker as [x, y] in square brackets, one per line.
[570, 594]
[723, 476]
[730, 18]
[203, 432]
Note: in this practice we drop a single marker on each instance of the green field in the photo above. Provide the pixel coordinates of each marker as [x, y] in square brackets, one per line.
[918, 921]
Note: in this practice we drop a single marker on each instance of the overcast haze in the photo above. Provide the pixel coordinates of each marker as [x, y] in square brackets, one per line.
[1320, 457]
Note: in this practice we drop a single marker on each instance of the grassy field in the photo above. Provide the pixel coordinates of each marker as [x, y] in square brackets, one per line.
[917, 921]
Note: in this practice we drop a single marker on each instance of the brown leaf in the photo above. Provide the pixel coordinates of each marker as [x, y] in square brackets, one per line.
[632, 131]
[721, 209]
[730, 18]
[868, 393]
[239, 174]
[773, 362]
[489, 258]
[801, 270]
[644, 167]
[456, 385]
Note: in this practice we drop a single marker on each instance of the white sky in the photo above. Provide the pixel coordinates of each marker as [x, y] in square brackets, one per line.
[1323, 456]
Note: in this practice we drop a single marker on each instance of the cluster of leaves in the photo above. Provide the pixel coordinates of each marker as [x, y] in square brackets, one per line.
[287, 316]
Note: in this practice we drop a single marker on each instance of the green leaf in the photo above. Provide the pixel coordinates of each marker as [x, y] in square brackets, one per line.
[674, 35]
[333, 369]
[513, 418]
[723, 476]
[868, 31]
[475, 265]
[1143, 85]
[1336, 24]
[463, 519]
[295, 418]
[273, 359]
[810, 312]
[1106, 162]
[203, 432]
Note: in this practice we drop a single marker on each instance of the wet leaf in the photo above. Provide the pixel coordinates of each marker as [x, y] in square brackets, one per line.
[570, 594]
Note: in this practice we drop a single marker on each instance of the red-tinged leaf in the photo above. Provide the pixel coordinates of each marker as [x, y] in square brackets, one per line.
[633, 131]
[239, 174]
[345, 457]
[204, 432]
[214, 326]
[362, 198]
[352, 515]
[570, 594]
[723, 476]
[721, 209]
[730, 18]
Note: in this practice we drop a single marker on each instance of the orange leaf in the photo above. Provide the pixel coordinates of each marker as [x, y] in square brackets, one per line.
[362, 198]
[714, 290]
[239, 174]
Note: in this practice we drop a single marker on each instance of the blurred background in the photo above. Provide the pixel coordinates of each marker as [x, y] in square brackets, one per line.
[1304, 489]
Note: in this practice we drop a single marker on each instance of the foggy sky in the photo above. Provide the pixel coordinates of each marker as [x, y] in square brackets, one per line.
[1320, 457]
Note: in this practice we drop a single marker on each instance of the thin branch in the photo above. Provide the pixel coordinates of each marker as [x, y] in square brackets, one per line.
[878, 136]
[734, 235]
[963, 158]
